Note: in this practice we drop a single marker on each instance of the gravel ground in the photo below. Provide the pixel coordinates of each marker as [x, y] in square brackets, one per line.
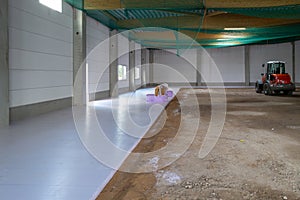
[257, 155]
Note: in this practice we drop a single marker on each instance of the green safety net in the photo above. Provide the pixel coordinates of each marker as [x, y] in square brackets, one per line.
[189, 24]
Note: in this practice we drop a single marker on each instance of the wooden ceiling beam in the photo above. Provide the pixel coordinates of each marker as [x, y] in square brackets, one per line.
[140, 4]
[218, 22]
[248, 3]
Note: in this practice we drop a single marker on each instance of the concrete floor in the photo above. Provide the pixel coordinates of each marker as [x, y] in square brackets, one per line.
[43, 157]
[256, 156]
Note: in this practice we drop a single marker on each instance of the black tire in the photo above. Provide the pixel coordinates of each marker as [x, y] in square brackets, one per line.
[267, 89]
[257, 88]
[289, 93]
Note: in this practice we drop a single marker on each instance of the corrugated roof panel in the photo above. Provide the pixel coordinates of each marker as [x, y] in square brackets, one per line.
[123, 14]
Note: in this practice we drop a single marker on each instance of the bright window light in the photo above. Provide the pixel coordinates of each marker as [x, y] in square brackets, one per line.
[122, 72]
[137, 73]
[53, 4]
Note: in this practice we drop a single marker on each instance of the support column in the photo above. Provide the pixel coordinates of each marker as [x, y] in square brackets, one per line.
[131, 66]
[143, 67]
[247, 66]
[293, 62]
[151, 61]
[198, 72]
[4, 72]
[80, 90]
[113, 66]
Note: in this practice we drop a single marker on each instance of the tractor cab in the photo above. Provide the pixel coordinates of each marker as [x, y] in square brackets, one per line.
[276, 67]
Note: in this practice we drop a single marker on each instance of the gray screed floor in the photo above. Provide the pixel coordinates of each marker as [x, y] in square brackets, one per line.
[45, 158]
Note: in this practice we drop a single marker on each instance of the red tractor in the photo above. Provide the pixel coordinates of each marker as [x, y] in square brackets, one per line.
[275, 80]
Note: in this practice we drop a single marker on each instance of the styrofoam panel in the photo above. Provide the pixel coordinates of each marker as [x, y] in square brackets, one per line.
[123, 46]
[28, 60]
[22, 79]
[34, 7]
[93, 24]
[33, 42]
[297, 59]
[25, 97]
[102, 87]
[208, 68]
[123, 84]
[100, 43]
[93, 78]
[96, 34]
[41, 52]
[178, 67]
[98, 55]
[166, 74]
[230, 62]
[190, 55]
[260, 54]
[99, 68]
[31, 23]
[98, 87]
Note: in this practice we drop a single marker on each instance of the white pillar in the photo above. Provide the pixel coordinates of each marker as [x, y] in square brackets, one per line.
[4, 72]
[247, 65]
[198, 75]
[151, 63]
[293, 62]
[80, 93]
[113, 67]
[131, 66]
[143, 68]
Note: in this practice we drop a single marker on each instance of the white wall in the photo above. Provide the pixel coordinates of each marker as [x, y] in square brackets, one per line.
[229, 61]
[170, 68]
[260, 54]
[40, 52]
[123, 50]
[297, 54]
[97, 56]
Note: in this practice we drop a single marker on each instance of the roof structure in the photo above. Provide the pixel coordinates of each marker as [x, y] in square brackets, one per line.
[211, 23]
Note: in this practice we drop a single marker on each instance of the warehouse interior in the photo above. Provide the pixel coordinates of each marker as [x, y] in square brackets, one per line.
[74, 80]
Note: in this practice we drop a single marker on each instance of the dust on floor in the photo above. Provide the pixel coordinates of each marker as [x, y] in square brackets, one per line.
[257, 155]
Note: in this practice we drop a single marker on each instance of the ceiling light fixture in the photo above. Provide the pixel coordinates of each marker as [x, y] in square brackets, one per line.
[223, 39]
[235, 29]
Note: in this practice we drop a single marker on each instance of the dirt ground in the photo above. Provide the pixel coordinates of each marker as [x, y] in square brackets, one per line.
[256, 157]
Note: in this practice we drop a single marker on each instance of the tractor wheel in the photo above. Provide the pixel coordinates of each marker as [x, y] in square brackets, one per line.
[267, 89]
[257, 88]
[290, 93]
[277, 92]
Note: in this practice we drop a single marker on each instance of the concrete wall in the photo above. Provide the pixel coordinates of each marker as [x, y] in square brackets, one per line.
[260, 54]
[171, 68]
[40, 53]
[229, 61]
[97, 56]
[297, 54]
